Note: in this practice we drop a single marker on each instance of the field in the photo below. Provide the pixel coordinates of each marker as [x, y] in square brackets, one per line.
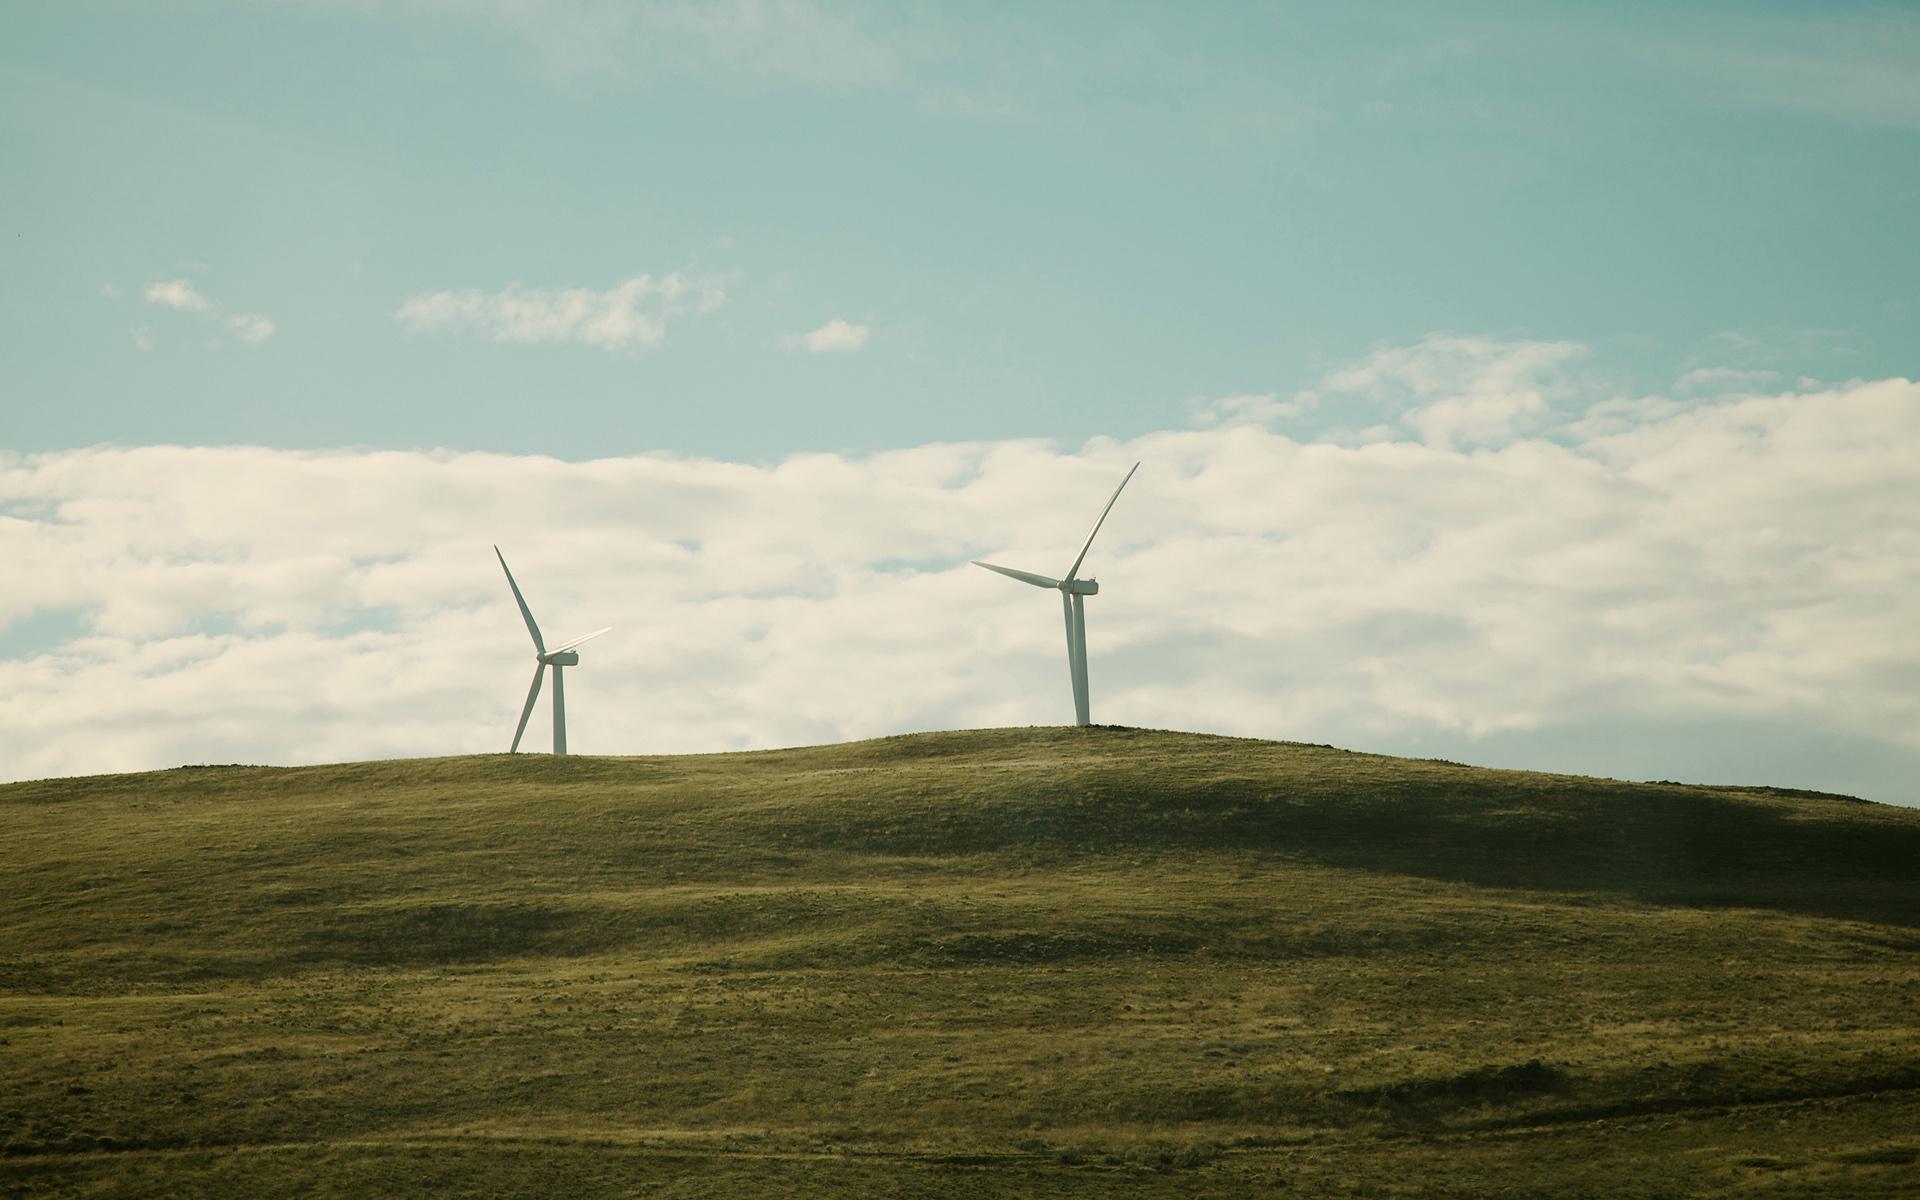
[1048, 962]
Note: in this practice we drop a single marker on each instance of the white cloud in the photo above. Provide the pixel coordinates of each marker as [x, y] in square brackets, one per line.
[1713, 578]
[177, 294]
[835, 337]
[182, 296]
[251, 328]
[1725, 380]
[1454, 390]
[630, 316]
[1250, 408]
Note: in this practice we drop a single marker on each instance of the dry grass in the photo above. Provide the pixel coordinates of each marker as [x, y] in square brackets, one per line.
[1020, 962]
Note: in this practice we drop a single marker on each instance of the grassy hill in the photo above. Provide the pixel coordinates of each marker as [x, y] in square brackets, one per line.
[1053, 962]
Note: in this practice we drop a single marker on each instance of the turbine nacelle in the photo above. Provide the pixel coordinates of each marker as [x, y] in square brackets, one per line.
[1080, 587]
[561, 658]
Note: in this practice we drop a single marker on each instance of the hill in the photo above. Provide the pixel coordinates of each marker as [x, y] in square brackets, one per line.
[1094, 962]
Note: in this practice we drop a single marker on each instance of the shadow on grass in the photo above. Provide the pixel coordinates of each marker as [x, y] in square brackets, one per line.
[1664, 844]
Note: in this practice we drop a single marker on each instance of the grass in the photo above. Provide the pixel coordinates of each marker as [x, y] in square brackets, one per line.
[1047, 962]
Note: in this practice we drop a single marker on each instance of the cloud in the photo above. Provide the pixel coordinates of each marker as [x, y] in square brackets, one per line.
[631, 316]
[1724, 380]
[1458, 391]
[251, 328]
[1250, 408]
[1730, 574]
[181, 296]
[177, 294]
[835, 337]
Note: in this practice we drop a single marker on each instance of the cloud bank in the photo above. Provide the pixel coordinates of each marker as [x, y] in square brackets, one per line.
[1718, 590]
[630, 316]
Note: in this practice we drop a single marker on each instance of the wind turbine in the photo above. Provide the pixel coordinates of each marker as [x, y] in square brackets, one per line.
[1071, 590]
[558, 658]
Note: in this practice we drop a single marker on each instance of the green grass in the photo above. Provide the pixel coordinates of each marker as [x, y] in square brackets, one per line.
[1048, 962]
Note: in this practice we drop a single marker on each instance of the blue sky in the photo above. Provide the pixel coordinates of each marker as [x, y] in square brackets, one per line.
[1055, 220]
[1530, 384]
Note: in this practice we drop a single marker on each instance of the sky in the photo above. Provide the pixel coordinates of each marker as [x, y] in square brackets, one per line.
[1519, 385]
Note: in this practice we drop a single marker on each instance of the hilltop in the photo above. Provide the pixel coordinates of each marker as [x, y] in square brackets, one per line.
[1024, 962]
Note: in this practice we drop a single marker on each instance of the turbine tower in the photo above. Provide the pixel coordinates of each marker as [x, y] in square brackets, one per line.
[559, 658]
[1071, 590]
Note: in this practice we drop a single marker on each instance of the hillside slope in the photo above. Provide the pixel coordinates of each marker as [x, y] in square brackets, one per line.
[1049, 961]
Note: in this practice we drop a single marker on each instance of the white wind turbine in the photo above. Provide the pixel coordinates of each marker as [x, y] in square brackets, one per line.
[1071, 589]
[558, 658]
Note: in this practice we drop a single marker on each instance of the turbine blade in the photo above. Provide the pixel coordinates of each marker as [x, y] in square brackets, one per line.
[1073, 572]
[539, 646]
[577, 641]
[533, 693]
[1022, 576]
